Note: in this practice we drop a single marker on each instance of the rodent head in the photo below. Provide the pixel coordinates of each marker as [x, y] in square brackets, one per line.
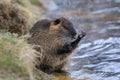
[55, 36]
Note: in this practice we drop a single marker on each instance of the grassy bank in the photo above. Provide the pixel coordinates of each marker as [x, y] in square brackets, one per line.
[16, 56]
[12, 67]
[17, 16]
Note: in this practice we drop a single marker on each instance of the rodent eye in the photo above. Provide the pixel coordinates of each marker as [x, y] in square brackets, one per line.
[56, 22]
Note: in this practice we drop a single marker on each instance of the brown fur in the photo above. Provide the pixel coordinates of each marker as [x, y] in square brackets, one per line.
[55, 40]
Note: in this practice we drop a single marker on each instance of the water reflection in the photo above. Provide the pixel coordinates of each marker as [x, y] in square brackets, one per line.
[98, 55]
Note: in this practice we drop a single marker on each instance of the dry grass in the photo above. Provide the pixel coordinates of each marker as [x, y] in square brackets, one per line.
[16, 56]
[15, 18]
[12, 62]
[16, 60]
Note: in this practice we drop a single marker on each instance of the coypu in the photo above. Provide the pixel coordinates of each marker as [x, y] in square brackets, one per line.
[55, 40]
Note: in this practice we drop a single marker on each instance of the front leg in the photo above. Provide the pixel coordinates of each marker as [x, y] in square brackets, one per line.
[67, 48]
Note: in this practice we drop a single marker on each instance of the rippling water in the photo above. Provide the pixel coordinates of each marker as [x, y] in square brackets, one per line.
[97, 60]
[98, 55]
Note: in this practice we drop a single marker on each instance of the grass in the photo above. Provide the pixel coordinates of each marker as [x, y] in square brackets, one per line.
[16, 57]
[10, 63]
[35, 2]
[17, 16]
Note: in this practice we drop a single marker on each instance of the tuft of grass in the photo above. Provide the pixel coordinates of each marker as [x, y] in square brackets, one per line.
[16, 60]
[16, 56]
[35, 2]
[15, 17]
[10, 63]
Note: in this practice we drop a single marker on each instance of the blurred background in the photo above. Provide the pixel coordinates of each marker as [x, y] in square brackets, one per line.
[98, 54]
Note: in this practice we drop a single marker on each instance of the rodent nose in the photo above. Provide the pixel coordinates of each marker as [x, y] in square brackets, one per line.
[78, 36]
[76, 39]
[82, 34]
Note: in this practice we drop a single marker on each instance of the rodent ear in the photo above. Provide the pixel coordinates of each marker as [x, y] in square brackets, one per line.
[56, 24]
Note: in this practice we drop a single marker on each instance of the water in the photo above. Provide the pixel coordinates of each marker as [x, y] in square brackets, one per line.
[97, 60]
[98, 54]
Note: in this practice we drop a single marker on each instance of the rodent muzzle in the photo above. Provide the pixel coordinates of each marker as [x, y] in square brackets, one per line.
[72, 44]
[76, 39]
